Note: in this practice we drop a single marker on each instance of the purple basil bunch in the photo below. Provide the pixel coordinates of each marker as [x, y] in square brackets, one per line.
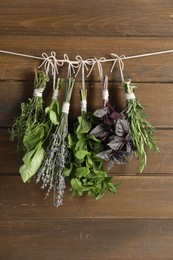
[114, 131]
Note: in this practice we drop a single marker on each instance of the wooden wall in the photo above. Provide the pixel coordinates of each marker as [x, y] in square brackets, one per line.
[137, 223]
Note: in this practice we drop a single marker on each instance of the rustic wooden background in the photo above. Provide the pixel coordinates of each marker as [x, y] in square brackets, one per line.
[137, 223]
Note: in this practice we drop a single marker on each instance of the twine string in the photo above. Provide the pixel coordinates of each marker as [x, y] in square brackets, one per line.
[52, 63]
[119, 59]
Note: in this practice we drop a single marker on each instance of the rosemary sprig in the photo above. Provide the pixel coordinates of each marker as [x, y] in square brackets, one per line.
[141, 130]
[50, 172]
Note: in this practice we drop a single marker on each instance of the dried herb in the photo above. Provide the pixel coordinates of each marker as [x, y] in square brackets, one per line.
[84, 168]
[141, 130]
[32, 112]
[36, 140]
[50, 172]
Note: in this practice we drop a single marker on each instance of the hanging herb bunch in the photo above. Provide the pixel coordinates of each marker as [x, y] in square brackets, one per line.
[51, 170]
[32, 112]
[141, 130]
[36, 141]
[114, 132]
[84, 168]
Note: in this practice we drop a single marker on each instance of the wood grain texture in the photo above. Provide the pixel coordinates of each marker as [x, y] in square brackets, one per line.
[80, 239]
[96, 18]
[149, 69]
[157, 99]
[157, 163]
[139, 197]
[137, 222]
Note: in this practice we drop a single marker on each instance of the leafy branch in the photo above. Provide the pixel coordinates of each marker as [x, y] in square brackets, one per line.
[141, 130]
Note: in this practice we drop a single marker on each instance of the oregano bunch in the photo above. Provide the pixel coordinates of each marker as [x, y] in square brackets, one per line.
[141, 130]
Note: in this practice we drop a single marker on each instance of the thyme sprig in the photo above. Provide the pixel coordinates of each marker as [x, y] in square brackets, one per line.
[141, 130]
[50, 172]
[32, 112]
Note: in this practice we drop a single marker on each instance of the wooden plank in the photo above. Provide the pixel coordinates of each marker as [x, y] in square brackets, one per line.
[149, 69]
[157, 99]
[157, 163]
[138, 197]
[86, 239]
[94, 18]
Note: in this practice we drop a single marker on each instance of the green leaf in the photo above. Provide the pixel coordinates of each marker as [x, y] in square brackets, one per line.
[76, 184]
[27, 157]
[53, 117]
[47, 110]
[89, 161]
[29, 169]
[72, 139]
[82, 172]
[93, 138]
[81, 154]
[84, 124]
[95, 146]
[31, 139]
[80, 145]
[67, 171]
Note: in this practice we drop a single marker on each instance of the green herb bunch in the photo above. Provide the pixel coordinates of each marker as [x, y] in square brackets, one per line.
[32, 112]
[50, 172]
[141, 130]
[84, 168]
[36, 141]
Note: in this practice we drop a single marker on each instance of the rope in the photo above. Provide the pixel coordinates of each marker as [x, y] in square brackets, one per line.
[52, 63]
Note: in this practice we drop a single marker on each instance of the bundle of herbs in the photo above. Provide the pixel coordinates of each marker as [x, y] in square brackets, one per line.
[36, 141]
[51, 170]
[114, 132]
[84, 168]
[141, 130]
[32, 112]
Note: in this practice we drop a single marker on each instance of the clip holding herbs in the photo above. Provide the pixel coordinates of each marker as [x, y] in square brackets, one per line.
[51, 169]
[114, 131]
[141, 130]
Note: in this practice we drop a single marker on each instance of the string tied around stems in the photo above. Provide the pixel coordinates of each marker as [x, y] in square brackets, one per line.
[119, 60]
[100, 67]
[71, 66]
[83, 65]
[105, 92]
[51, 63]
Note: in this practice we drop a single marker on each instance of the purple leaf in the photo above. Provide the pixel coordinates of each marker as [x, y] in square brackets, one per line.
[105, 155]
[116, 143]
[99, 131]
[116, 115]
[111, 164]
[101, 112]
